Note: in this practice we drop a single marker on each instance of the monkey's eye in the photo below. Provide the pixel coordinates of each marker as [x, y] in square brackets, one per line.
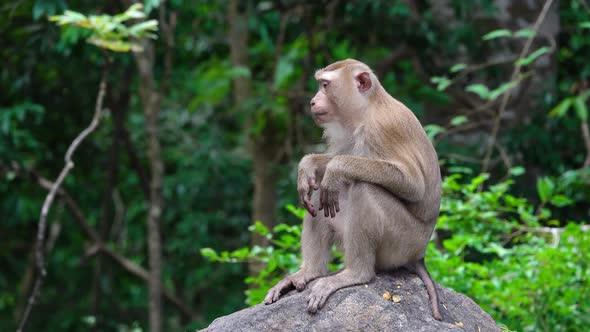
[325, 84]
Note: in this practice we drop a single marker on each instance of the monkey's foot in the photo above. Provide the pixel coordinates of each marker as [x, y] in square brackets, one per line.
[320, 292]
[296, 281]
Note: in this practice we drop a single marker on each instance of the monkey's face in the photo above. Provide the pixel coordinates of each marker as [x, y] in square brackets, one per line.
[323, 109]
[342, 96]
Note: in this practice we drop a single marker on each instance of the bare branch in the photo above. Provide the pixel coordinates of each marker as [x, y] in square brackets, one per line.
[506, 94]
[69, 164]
[99, 245]
[555, 232]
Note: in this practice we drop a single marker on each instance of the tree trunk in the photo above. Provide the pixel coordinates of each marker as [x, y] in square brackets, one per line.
[261, 148]
[150, 99]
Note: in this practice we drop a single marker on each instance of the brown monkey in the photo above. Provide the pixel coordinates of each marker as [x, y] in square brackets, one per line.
[379, 187]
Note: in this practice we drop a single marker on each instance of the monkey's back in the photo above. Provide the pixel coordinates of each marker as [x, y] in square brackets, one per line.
[400, 137]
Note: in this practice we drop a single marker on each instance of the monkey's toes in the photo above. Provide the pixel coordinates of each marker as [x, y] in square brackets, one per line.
[272, 296]
[299, 285]
[314, 305]
[315, 302]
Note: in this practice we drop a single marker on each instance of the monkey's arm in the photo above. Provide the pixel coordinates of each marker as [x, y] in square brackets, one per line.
[403, 181]
[310, 172]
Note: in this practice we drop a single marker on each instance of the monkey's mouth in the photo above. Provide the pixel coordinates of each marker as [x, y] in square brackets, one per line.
[320, 117]
[319, 113]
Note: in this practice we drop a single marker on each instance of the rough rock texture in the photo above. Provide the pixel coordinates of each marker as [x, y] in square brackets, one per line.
[363, 308]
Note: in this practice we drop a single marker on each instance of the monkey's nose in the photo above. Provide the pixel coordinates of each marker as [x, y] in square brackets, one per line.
[312, 103]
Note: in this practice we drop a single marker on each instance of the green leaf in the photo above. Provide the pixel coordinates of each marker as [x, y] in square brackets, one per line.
[545, 187]
[432, 130]
[501, 89]
[584, 25]
[516, 171]
[581, 109]
[209, 253]
[525, 33]
[481, 90]
[259, 228]
[136, 30]
[562, 108]
[241, 253]
[497, 34]
[134, 11]
[458, 67]
[441, 82]
[561, 200]
[298, 212]
[533, 56]
[150, 4]
[459, 120]
[113, 45]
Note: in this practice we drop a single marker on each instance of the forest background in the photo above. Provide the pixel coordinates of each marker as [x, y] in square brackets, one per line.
[181, 205]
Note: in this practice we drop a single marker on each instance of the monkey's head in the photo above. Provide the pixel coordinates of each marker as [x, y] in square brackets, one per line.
[344, 91]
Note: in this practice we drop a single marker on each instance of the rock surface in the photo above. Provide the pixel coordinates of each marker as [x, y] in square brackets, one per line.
[363, 308]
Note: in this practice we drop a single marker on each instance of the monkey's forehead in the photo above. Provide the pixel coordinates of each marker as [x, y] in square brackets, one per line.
[322, 74]
[349, 65]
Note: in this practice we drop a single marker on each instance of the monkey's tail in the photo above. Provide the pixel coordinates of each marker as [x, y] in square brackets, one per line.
[419, 267]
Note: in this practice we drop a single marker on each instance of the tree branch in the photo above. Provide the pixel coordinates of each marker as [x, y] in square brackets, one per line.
[99, 244]
[555, 232]
[69, 164]
[506, 94]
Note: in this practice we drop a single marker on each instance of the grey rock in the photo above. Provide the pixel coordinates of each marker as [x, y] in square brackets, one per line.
[363, 308]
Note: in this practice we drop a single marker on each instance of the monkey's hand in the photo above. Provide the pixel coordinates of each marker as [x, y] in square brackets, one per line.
[306, 184]
[329, 192]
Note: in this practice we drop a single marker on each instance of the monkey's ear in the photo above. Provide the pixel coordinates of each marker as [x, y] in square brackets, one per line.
[363, 81]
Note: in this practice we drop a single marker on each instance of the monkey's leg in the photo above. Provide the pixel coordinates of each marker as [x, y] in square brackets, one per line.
[316, 239]
[420, 269]
[359, 257]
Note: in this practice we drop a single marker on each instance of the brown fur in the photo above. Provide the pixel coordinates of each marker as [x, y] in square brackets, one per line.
[381, 169]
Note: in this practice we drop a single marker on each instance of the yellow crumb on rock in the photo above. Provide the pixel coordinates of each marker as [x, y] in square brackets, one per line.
[386, 295]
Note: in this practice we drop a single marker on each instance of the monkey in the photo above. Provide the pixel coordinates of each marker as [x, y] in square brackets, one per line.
[378, 186]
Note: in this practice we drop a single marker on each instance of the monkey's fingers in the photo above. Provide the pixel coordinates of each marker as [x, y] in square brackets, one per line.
[311, 208]
[308, 206]
[331, 209]
[302, 191]
[304, 198]
[328, 201]
[313, 184]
